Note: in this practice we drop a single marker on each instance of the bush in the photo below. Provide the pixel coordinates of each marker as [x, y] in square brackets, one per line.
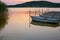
[3, 15]
[2, 6]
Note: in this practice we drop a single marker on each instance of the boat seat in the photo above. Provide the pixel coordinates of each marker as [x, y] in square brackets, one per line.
[37, 17]
[46, 16]
[52, 19]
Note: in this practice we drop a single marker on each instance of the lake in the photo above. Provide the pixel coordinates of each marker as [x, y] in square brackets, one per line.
[19, 26]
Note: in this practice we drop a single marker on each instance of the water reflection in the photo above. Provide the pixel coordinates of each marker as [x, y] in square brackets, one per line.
[44, 24]
[18, 28]
[3, 19]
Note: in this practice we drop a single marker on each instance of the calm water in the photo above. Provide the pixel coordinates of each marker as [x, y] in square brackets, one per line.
[19, 26]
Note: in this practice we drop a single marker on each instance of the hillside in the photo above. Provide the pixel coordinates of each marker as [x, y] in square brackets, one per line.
[37, 4]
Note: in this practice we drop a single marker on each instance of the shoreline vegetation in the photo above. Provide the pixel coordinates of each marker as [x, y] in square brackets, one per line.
[3, 7]
[3, 15]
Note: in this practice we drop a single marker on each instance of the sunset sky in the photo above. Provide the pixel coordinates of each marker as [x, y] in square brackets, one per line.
[9, 2]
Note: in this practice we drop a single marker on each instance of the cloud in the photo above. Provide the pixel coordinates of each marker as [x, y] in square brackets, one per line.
[57, 1]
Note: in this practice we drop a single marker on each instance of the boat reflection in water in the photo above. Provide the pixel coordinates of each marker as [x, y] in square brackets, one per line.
[3, 19]
[44, 24]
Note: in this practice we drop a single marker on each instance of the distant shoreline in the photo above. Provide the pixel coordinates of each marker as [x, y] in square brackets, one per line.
[37, 4]
[33, 7]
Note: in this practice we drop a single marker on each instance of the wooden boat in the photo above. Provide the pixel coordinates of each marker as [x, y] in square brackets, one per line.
[47, 18]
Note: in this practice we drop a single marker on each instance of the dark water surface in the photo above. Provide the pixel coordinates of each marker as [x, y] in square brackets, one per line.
[19, 26]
